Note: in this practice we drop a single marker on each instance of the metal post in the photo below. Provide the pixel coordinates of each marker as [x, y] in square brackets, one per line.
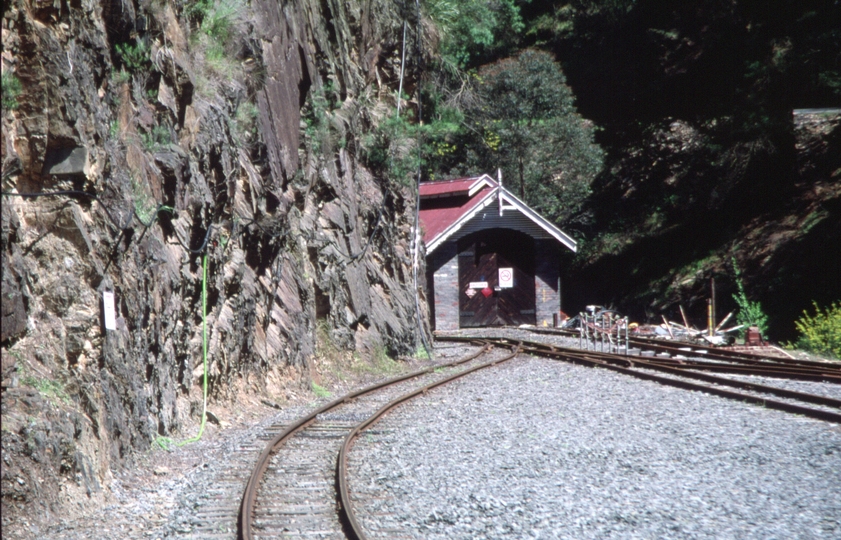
[618, 335]
[601, 333]
[627, 340]
[589, 331]
[598, 335]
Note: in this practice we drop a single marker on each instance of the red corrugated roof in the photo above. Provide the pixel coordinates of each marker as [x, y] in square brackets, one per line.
[437, 220]
[459, 186]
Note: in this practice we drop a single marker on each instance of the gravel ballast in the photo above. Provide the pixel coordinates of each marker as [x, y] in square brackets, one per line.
[542, 449]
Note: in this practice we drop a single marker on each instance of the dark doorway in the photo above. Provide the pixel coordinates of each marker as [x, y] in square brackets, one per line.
[480, 256]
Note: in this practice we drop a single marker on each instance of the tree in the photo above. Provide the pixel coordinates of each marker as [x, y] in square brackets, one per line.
[473, 31]
[529, 127]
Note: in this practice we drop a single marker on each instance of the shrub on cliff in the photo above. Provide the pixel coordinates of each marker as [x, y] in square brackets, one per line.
[11, 91]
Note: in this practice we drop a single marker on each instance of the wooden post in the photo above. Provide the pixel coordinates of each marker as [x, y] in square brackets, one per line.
[710, 327]
[683, 315]
[712, 303]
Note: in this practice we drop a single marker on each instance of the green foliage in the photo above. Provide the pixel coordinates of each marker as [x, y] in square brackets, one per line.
[215, 18]
[220, 63]
[831, 79]
[135, 58]
[317, 117]
[245, 121]
[391, 149]
[164, 443]
[320, 391]
[821, 333]
[529, 127]
[217, 23]
[383, 363]
[12, 90]
[159, 136]
[216, 26]
[144, 204]
[47, 387]
[475, 30]
[750, 313]
[324, 344]
[120, 77]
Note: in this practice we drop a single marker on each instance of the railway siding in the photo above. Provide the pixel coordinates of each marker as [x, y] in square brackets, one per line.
[542, 449]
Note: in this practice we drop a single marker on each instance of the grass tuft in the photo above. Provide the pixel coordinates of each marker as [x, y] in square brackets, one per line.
[12, 90]
[319, 390]
[47, 387]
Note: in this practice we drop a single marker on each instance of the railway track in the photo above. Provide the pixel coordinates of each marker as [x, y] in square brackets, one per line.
[677, 349]
[299, 485]
[294, 489]
[690, 375]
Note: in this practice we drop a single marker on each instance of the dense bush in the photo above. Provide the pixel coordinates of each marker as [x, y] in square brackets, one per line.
[475, 31]
[821, 333]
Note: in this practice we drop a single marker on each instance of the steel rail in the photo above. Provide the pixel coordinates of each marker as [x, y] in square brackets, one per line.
[642, 362]
[353, 529]
[723, 381]
[632, 366]
[814, 371]
[679, 347]
[724, 354]
[249, 497]
[763, 371]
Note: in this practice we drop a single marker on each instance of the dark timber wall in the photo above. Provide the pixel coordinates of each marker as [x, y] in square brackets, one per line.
[534, 299]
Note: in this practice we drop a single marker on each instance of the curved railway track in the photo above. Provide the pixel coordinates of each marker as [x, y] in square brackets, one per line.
[299, 484]
[298, 497]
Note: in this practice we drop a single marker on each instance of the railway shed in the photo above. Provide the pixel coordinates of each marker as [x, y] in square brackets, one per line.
[491, 260]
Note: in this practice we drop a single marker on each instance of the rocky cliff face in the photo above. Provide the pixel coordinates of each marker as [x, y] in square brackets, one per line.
[183, 134]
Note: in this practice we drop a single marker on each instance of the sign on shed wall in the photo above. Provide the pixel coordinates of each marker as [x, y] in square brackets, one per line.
[506, 278]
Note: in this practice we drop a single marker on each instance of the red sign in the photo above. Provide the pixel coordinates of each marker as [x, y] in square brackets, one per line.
[487, 291]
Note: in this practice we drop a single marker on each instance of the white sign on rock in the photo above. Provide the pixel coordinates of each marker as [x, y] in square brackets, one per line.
[506, 278]
[110, 312]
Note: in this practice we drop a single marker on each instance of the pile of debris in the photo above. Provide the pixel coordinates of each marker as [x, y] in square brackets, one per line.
[712, 335]
[717, 335]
